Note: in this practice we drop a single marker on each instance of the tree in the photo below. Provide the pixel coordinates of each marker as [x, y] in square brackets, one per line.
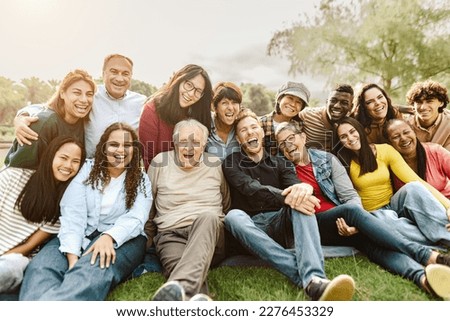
[393, 43]
[54, 84]
[11, 99]
[257, 98]
[38, 91]
[142, 87]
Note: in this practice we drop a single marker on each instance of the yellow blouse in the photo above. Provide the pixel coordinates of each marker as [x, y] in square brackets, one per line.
[375, 188]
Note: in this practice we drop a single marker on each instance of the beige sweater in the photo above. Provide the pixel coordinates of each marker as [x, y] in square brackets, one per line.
[180, 196]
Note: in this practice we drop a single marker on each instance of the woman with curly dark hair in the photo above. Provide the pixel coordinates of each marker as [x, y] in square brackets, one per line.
[188, 94]
[373, 108]
[103, 213]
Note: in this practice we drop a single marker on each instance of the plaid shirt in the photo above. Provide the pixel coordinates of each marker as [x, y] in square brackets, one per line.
[270, 143]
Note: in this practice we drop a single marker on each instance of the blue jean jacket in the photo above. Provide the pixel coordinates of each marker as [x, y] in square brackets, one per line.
[332, 178]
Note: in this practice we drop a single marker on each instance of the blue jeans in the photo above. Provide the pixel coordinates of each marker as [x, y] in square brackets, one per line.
[416, 213]
[151, 263]
[257, 234]
[382, 244]
[47, 278]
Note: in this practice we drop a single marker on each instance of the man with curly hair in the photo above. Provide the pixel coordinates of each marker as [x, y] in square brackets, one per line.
[431, 119]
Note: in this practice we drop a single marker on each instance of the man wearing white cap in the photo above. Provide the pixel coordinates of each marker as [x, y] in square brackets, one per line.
[291, 98]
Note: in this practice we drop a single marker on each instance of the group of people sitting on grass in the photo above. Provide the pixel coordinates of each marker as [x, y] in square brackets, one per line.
[103, 183]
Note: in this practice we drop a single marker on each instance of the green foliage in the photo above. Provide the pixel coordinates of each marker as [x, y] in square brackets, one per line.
[258, 98]
[142, 87]
[6, 133]
[11, 99]
[37, 91]
[265, 284]
[394, 43]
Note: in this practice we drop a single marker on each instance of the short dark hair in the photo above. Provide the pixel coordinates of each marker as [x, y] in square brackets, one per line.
[226, 90]
[345, 88]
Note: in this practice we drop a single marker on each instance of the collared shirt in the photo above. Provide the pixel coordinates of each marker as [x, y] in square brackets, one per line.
[216, 146]
[438, 133]
[81, 213]
[257, 187]
[107, 110]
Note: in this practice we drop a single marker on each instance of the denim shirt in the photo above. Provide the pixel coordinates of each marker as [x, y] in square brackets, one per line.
[332, 178]
[217, 147]
[80, 214]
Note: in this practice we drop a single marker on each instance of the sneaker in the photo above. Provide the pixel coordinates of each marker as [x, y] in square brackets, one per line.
[169, 291]
[200, 297]
[438, 280]
[341, 288]
[443, 259]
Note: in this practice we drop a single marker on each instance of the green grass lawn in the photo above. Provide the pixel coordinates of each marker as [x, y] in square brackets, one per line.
[266, 284]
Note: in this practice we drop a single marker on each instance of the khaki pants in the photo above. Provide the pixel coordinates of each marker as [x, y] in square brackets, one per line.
[187, 253]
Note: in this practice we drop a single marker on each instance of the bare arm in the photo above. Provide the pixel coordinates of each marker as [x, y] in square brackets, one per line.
[71, 259]
[36, 239]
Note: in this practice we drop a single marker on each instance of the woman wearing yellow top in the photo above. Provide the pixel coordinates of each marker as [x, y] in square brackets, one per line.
[418, 210]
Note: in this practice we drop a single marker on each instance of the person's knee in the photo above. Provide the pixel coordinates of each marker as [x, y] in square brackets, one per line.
[208, 219]
[234, 217]
[415, 188]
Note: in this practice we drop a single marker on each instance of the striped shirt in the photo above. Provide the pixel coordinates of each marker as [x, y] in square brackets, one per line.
[317, 127]
[14, 228]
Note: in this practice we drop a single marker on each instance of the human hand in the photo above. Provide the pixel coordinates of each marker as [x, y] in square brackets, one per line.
[104, 248]
[297, 194]
[308, 206]
[22, 129]
[344, 229]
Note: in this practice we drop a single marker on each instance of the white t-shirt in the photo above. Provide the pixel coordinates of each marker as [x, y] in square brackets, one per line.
[111, 192]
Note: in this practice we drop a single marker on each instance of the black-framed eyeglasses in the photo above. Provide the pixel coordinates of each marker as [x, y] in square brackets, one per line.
[290, 139]
[187, 85]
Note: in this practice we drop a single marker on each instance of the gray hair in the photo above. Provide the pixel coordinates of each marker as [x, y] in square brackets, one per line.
[292, 125]
[190, 122]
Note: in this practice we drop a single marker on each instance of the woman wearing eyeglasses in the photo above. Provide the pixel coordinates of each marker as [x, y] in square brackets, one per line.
[187, 94]
[343, 221]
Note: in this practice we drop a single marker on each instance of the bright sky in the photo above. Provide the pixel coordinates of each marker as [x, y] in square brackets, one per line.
[48, 38]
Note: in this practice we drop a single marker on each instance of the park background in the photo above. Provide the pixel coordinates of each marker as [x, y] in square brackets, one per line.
[258, 44]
